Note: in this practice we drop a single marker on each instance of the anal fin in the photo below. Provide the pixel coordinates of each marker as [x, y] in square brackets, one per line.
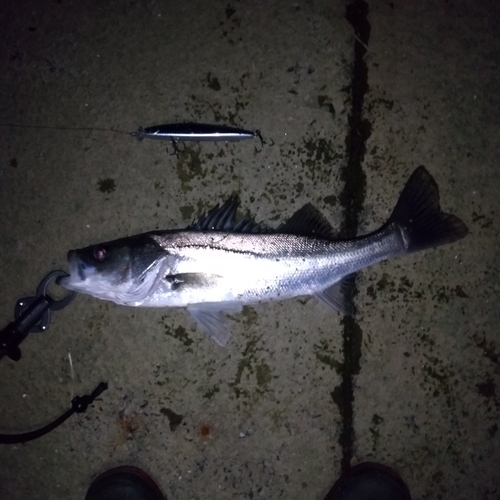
[339, 296]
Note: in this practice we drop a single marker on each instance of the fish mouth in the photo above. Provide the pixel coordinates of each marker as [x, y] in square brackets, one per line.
[76, 275]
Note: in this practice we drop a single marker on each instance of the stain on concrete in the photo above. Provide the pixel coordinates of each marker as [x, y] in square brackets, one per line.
[487, 388]
[250, 365]
[489, 349]
[263, 374]
[444, 293]
[493, 430]
[230, 11]
[213, 82]
[459, 292]
[482, 220]
[189, 167]
[380, 102]
[325, 102]
[179, 333]
[249, 316]
[187, 212]
[232, 24]
[299, 187]
[324, 355]
[330, 200]
[391, 289]
[174, 419]
[128, 424]
[374, 430]
[318, 151]
[210, 393]
[205, 430]
[106, 185]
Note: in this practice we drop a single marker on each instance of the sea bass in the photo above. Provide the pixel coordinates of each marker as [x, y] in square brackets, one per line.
[220, 263]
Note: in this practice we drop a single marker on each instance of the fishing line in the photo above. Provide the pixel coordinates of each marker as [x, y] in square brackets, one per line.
[173, 132]
[48, 127]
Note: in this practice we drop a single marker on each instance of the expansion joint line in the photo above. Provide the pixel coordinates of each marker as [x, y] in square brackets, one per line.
[352, 199]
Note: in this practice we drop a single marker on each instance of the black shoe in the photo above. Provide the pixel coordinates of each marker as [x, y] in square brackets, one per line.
[124, 482]
[369, 481]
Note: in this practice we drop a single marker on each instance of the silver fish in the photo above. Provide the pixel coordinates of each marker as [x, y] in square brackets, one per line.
[220, 262]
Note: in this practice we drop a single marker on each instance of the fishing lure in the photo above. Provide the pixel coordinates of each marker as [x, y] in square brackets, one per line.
[173, 132]
[195, 132]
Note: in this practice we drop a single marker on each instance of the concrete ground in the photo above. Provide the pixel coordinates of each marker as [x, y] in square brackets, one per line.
[300, 393]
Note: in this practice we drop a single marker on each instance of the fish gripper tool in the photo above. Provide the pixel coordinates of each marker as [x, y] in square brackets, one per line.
[31, 315]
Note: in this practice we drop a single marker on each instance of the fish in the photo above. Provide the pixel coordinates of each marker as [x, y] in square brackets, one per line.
[222, 262]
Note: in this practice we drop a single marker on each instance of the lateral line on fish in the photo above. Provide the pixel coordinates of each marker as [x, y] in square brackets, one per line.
[208, 247]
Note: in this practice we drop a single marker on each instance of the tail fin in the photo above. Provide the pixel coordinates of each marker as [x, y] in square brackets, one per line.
[420, 218]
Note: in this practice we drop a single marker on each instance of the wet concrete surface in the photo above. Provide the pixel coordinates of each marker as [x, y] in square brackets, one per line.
[289, 402]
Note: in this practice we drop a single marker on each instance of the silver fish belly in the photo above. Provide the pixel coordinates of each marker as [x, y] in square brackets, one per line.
[220, 262]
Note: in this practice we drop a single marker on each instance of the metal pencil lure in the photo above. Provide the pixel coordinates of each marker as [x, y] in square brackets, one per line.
[195, 132]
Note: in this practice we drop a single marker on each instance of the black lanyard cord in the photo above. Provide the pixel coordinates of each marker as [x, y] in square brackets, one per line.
[79, 404]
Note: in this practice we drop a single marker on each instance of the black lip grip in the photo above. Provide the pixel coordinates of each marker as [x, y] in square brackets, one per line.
[32, 315]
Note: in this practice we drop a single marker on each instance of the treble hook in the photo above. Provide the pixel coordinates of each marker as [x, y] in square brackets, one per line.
[176, 149]
[263, 142]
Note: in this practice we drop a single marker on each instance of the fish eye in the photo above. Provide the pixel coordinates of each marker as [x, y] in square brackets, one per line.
[99, 253]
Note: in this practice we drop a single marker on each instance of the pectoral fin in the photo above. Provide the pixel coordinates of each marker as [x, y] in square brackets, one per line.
[212, 319]
[178, 282]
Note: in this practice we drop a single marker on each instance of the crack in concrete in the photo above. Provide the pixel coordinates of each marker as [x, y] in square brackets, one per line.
[352, 199]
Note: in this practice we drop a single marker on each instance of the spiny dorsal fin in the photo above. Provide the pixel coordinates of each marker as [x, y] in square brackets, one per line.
[308, 221]
[223, 218]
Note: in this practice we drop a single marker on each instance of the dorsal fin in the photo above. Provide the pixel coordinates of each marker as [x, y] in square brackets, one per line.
[223, 218]
[308, 221]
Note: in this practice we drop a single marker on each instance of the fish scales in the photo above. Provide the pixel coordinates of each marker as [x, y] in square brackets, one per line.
[253, 268]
